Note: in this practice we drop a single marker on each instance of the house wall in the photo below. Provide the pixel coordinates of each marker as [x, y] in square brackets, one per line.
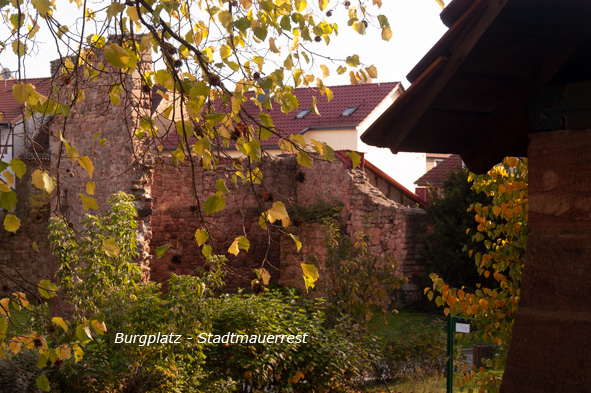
[21, 265]
[337, 139]
[554, 308]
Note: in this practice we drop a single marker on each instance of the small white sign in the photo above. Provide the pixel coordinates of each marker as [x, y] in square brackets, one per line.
[462, 327]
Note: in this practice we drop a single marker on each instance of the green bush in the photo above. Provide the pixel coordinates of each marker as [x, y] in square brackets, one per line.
[330, 360]
[97, 275]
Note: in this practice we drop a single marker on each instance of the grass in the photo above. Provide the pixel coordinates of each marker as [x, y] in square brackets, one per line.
[413, 384]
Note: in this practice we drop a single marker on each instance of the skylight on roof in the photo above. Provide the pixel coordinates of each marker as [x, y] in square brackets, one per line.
[303, 113]
[349, 111]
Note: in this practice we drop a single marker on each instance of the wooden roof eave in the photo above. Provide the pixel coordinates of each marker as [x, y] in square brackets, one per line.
[409, 107]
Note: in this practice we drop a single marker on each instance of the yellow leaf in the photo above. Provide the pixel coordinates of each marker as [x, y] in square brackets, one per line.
[88, 202]
[9, 178]
[201, 235]
[78, 353]
[386, 33]
[90, 188]
[277, 212]
[372, 71]
[21, 299]
[264, 275]
[300, 5]
[297, 242]
[99, 327]
[4, 307]
[11, 223]
[325, 71]
[60, 322]
[21, 92]
[299, 375]
[441, 3]
[86, 163]
[310, 275]
[111, 248]
[246, 4]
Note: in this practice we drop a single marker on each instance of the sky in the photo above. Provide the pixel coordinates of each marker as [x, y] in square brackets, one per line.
[415, 25]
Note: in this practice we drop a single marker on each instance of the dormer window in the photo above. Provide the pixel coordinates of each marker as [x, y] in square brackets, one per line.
[349, 111]
[303, 113]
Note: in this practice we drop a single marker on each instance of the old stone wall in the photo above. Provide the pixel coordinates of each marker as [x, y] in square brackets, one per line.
[394, 229]
[25, 256]
[176, 216]
[104, 132]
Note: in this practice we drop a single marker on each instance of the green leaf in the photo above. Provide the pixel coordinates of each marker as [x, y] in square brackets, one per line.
[11, 223]
[7, 200]
[120, 57]
[355, 158]
[19, 48]
[47, 289]
[201, 236]
[114, 8]
[42, 6]
[18, 167]
[214, 204]
[111, 248]
[260, 33]
[206, 250]
[160, 251]
[3, 328]
[88, 202]
[352, 61]
[305, 159]
[310, 275]
[42, 383]
[221, 186]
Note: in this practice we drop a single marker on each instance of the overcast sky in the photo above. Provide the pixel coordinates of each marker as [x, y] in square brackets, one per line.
[415, 25]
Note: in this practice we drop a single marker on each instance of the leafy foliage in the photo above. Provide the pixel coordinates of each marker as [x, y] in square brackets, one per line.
[502, 229]
[360, 281]
[450, 215]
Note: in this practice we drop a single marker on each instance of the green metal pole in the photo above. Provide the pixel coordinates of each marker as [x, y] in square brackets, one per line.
[451, 332]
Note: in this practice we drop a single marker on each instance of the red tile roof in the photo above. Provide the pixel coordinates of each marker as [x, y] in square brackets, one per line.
[438, 175]
[10, 109]
[367, 97]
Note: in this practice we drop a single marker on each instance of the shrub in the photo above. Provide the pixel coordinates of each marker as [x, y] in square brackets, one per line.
[97, 274]
[330, 360]
[356, 281]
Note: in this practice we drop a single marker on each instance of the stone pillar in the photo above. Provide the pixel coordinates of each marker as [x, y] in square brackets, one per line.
[550, 347]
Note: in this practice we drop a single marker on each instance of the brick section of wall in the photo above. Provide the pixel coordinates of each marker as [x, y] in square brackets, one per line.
[122, 163]
[554, 318]
[21, 267]
[176, 217]
[393, 228]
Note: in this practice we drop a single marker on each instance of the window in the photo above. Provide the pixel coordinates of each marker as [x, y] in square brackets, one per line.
[437, 161]
[303, 113]
[349, 111]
